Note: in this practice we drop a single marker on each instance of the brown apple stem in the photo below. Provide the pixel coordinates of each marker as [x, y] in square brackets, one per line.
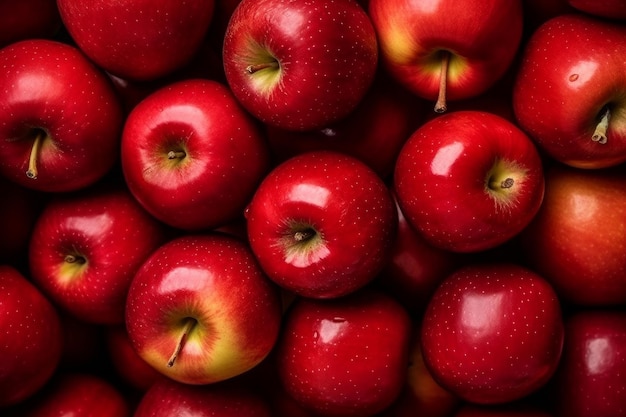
[176, 154]
[251, 69]
[599, 135]
[72, 259]
[302, 235]
[32, 171]
[189, 324]
[507, 183]
[441, 105]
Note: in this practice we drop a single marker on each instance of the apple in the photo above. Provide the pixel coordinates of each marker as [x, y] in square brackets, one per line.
[28, 19]
[609, 9]
[31, 331]
[345, 356]
[192, 156]
[200, 310]
[569, 95]
[469, 181]
[139, 40]
[590, 378]
[447, 50]
[86, 247]
[167, 398]
[60, 119]
[300, 65]
[493, 333]
[577, 240]
[322, 224]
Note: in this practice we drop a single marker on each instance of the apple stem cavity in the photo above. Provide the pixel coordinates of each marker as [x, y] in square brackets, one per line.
[189, 324]
[32, 171]
[599, 135]
[251, 69]
[441, 105]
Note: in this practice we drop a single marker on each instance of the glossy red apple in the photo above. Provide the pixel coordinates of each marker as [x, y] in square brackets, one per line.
[609, 9]
[200, 310]
[139, 40]
[322, 224]
[192, 156]
[493, 333]
[60, 119]
[449, 49]
[27, 19]
[31, 331]
[469, 181]
[346, 356]
[300, 65]
[569, 95]
[577, 241]
[86, 247]
[590, 380]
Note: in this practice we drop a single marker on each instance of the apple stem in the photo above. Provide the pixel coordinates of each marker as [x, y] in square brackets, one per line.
[507, 183]
[71, 259]
[441, 104]
[302, 235]
[32, 171]
[251, 69]
[189, 324]
[176, 154]
[599, 135]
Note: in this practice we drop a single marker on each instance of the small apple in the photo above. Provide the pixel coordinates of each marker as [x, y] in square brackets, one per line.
[345, 356]
[86, 247]
[469, 180]
[60, 119]
[322, 224]
[570, 91]
[31, 331]
[300, 65]
[493, 333]
[200, 310]
[192, 156]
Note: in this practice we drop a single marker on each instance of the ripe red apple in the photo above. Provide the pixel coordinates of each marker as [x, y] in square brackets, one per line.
[86, 247]
[609, 9]
[590, 380]
[60, 118]
[31, 334]
[493, 333]
[577, 240]
[28, 19]
[322, 224]
[346, 356]
[140, 40]
[449, 49]
[300, 65]
[200, 310]
[569, 95]
[469, 181]
[192, 156]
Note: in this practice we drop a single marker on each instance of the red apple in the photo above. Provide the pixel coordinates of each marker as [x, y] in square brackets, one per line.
[86, 247]
[139, 40]
[26, 19]
[569, 95]
[32, 340]
[346, 356]
[469, 181]
[200, 310]
[493, 333]
[192, 156]
[60, 118]
[590, 380]
[609, 9]
[449, 49]
[300, 65]
[322, 224]
[577, 241]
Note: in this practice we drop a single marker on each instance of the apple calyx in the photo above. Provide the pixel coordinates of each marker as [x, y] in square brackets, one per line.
[441, 105]
[303, 245]
[599, 134]
[32, 171]
[176, 155]
[188, 324]
[501, 182]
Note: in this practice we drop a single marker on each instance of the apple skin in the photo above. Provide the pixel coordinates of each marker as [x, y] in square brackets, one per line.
[139, 40]
[583, 211]
[28, 19]
[225, 156]
[344, 213]
[346, 356]
[481, 37]
[609, 9]
[50, 90]
[566, 83]
[590, 379]
[321, 55]
[493, 333]
[30, 321]
[469, 181]
[86, 247]
[191, 279]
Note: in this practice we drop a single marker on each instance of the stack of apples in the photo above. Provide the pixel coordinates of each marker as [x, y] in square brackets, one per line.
[292, 208]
